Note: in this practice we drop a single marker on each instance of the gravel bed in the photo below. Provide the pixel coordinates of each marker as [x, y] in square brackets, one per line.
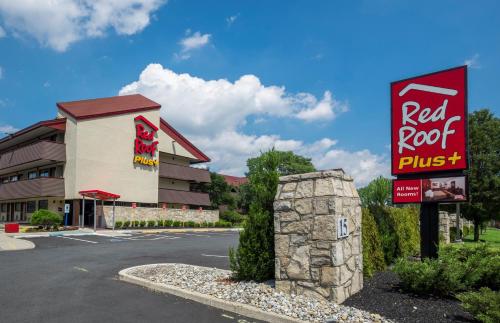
[382, 294]
[217, 283]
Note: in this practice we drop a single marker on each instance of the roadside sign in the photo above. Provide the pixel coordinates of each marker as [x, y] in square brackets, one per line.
[429, 123]
[66, 208]
[428, 190]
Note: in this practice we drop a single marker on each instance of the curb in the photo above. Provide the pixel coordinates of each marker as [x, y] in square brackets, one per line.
[180, 230]
[239, 308]
[17, 245]
[50, 234]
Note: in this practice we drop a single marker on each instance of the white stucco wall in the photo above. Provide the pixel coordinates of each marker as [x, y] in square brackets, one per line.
[99, 155]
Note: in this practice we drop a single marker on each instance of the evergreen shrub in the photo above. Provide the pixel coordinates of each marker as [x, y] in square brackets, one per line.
[169, 223]
[142, 224]
[457, 269]
[126, 224]
[483, 304]
[151, 223]
[373, 255]
[118, 224]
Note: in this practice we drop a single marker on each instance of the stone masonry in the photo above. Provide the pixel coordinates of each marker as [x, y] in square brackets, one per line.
[147, 213]
[444, 226]
[310, 259]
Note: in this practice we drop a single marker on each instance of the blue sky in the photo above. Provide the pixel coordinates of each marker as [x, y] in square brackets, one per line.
[309, 76]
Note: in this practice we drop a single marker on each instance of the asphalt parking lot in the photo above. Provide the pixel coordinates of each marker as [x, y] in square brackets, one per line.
[74, 278]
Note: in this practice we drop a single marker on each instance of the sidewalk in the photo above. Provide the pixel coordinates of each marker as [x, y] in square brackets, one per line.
[11, 244]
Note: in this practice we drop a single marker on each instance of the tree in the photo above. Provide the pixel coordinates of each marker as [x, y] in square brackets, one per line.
[377, 193]
[220, 192]
[484, 169]
[254, 257]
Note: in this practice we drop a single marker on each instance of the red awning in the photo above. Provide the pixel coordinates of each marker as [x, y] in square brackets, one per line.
[101, 195]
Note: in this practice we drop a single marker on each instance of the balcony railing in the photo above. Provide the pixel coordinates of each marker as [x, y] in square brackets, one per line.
[183, 197]
[38, 187]
[42, 152]
[184, 173]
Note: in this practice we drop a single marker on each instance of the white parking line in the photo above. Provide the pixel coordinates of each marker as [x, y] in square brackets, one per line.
[204, 255]
[78, 239]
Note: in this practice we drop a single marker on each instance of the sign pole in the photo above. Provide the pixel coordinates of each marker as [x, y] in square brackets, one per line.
[429, 230]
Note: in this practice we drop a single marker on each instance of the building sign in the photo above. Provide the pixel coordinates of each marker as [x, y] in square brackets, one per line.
[145, 145]
[429, 122]
[437, 189]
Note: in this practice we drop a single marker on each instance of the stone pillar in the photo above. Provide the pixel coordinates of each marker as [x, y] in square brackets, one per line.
[444, 226]
[311, 258]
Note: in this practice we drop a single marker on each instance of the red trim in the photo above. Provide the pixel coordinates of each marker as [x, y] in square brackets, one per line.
[101, 195]
[58, 124]
[146, 121]
[169, 130]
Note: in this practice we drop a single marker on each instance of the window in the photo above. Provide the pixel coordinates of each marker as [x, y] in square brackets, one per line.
[43, 204]
[14, 178]
[30, 206]
[18, 207]
[32, 175]
[3, 207]
[5, 180]
[44, 173]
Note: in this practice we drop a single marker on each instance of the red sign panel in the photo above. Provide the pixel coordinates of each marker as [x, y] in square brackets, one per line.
[439, 189]
[429, 122]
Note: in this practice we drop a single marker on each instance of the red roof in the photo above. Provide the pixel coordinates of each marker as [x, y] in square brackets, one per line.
[180, 139]
[85, 109]
[58, 124]
[234, 180]
[98, 194]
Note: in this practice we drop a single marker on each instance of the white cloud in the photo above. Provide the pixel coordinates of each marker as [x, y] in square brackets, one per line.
[59, 23]
[7, 129]
[211, 112]
[192, 42]
[473, 62]
[230, 20]
[2, 32]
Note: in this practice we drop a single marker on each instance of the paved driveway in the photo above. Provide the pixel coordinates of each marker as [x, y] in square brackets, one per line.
[74, 279]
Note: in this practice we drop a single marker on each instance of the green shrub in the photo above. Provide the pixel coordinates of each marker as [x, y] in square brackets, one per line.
[136, 223]
[197, 225]
[232, 217]
[203, 224]
[222, 224]
[483, 304]
[151, 223]
[126, 224]
[159, 223]
[373, 256]
[142, 224]
[176, 224]
[457, 269]
[189, 224]
[465, 231]
[46, 218]
[399, 231]
[169, 223]
[118, 224]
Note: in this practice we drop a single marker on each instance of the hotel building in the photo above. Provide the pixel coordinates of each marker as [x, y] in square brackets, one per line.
[119, 145]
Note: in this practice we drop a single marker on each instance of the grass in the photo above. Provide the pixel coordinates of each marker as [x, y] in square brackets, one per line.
[491, 236]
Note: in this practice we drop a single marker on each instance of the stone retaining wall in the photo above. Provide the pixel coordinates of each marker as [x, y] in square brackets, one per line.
[310, 258]
[444, 226]
[124, 213]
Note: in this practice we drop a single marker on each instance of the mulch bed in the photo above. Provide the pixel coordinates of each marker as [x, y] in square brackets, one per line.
[381, 294]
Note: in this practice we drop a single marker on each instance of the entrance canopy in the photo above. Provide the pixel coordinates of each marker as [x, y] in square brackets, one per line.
[100, 195]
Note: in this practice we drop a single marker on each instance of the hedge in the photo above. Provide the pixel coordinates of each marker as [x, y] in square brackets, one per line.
[373, 255]
[46, 218]
[399, 231]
